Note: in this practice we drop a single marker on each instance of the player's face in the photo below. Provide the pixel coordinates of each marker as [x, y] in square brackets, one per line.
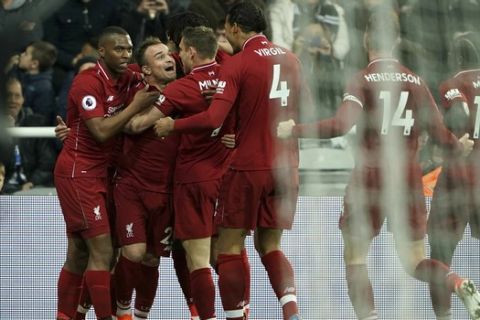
[230, 32]
[14, 98]
[2, 179]
[186, 57]
[159, 63]
[116, 53]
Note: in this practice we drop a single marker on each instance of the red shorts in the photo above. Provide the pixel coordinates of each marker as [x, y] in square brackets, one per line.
[195, 205]
[455, 204]
[263, 198]
[144, 217]
[365, 208]
[83, 203]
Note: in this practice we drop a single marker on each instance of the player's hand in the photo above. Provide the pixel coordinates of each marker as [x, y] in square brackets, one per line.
[284, 129]
[228, 140]
[467, 144]
[163, 127]
[61, 130]
[144, 98]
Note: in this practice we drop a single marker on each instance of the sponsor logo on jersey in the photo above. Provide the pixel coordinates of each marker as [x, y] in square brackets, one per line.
[89, 103]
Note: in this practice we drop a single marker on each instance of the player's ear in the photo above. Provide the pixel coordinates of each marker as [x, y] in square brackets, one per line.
[101, 51]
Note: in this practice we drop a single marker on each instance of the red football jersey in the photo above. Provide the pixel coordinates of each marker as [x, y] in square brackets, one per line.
[464, 87]
[261, 86]
[201, 156]
[149, 161]
[383, 99]
[93, 94]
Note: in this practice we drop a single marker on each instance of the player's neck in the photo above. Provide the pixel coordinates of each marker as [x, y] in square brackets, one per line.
[160, 85]
[375, 55]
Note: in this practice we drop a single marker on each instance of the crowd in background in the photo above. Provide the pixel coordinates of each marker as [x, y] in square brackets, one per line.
[46, 43]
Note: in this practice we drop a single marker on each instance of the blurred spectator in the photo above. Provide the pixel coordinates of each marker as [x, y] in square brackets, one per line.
[72, 27]
[320, 68]
[34, 69]
[2, 177]
[21, 24]
[462, 16]
[143, 18]
[332, 18]
[215, 10]
[31, 160]
[282, 14]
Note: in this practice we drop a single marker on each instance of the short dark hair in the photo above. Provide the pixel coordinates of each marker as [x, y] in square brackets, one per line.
[383, 30]
[140, 53]
[201, 38]
[177, 23]
[109, 31]
[248, 16]
[45, 53]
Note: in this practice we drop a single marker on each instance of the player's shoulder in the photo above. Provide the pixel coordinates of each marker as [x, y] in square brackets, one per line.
[89, 78]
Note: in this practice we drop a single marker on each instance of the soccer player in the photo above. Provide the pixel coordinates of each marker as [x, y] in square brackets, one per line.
[455, 202]
[142, 196]
[390, 105]
[201, 161]
[95, 104]
[260, 85]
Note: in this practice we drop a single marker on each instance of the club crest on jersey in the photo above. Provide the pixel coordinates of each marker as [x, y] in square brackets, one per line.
[97, 213]
[89, 103]
[129, 229]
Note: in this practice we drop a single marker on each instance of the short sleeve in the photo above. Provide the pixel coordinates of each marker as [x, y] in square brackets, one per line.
[87, 96]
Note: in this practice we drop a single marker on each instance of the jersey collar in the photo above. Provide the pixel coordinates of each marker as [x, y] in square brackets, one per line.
[204, 66]
[257, 36]
[382, 60]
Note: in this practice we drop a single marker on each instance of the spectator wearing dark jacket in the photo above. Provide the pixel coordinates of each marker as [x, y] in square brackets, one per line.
[34, 70]
[74, 25]
[31, 160]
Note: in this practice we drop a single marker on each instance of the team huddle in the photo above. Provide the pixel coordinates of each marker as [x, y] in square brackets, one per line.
[187, 153]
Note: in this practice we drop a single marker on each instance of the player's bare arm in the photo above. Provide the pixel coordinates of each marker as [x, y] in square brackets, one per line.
[103, 129]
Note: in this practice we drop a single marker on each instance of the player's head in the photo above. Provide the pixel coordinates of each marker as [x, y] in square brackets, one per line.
[464, 53]
[177, 23]
[197, 44]
[38, 57]
[115, 49]
[383, 31]
[243, 20]
[14, 96]
[154, 59]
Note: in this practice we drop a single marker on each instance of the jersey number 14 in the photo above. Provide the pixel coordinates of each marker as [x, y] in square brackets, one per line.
[397, 120]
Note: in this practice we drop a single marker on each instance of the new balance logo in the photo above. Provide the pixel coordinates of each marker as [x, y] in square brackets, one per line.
[97, 213]
[110, 98]
[289, 290]
[241, 304]
[129, 228]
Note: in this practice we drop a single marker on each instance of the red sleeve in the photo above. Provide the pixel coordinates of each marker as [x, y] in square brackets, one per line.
[209, 119]
[344, 120]
[169, 101]
[434, 124]
[450, 93]
[87, 94]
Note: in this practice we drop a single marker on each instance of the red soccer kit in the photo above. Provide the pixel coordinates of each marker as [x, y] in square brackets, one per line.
[201, 159]
[387, 102]
[143, 190]
[81, 168]
[456, 200]
[261, 86]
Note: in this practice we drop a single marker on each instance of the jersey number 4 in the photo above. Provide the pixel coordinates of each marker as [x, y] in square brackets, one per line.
[397, 120]
[279, 89]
